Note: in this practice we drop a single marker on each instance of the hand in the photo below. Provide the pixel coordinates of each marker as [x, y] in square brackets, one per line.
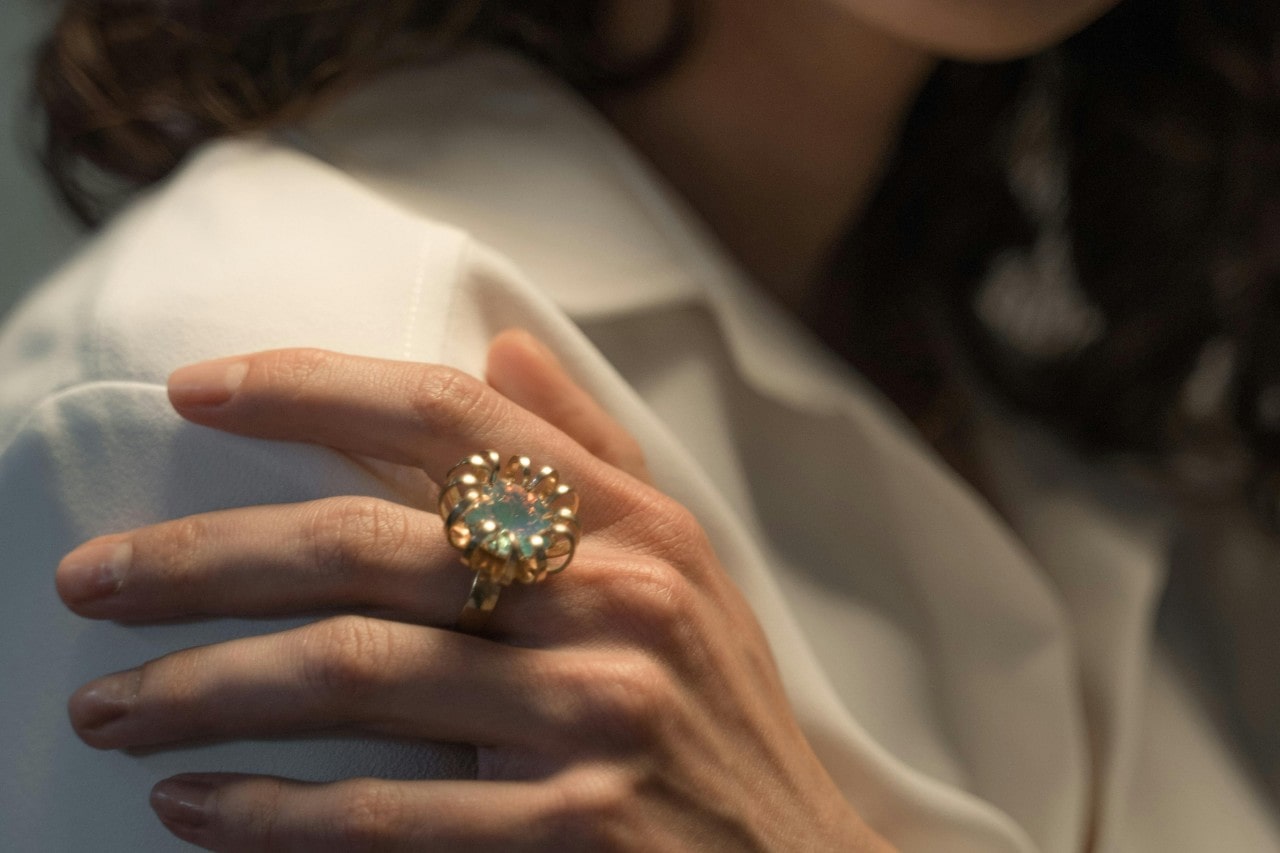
[629, 704]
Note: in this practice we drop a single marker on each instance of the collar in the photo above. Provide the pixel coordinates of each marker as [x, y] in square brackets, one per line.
[492, 144]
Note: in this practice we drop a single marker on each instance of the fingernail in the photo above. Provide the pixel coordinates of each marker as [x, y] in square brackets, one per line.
[104, 701]
[209, 383]
[93, 571]
[182, 802]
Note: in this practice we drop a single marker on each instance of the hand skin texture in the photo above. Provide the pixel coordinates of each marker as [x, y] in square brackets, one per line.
[629, 704]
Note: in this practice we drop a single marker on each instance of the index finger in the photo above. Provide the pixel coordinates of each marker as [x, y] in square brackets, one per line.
[527, 373]
[409, 413]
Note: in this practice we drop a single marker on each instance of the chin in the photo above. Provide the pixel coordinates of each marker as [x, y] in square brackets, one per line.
[980, 30]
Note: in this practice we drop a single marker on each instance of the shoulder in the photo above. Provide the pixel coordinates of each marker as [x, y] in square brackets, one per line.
[252, 245]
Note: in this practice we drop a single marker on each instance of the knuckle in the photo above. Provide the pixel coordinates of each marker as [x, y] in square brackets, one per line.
[348, 534]
[620, 700]
[450, 401]
[677, 524]
[369, 815]
[172, 682]
[673, 530]
[294, 369]
[594, 810]
[348, 656]
[173, 548]
[648, 600]
[638, 692]
[259, 815]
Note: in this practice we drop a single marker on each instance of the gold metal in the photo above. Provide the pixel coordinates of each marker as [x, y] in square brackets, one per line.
[513, 523]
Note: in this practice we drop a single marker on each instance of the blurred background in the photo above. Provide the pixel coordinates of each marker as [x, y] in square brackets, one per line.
[35, 235]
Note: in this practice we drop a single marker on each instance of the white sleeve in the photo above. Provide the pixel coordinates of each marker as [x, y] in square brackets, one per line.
[107, 457]
[252, 247]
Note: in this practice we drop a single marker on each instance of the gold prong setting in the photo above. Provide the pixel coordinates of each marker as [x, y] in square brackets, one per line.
[513, 522]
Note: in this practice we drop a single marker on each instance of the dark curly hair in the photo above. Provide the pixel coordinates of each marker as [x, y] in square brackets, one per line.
[1093, 234]
[1094, 231]
[128, 87]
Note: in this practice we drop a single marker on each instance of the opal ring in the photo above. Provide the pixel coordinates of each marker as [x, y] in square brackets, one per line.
[513, 523]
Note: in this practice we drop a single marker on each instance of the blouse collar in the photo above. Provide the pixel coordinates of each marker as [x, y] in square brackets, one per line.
[490, 143]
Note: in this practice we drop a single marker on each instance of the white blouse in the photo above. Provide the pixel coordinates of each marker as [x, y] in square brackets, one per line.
[974, 682]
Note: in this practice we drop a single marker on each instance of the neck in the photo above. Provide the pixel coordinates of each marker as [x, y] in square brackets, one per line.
[775, 127]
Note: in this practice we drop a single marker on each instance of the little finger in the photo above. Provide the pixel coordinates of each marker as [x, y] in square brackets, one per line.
[253, 813]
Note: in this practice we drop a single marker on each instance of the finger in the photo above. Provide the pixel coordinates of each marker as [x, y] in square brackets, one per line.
[337, 553]
[346, 672]
[527, 373]
[254, 813]
[350, 552]
[419, 414]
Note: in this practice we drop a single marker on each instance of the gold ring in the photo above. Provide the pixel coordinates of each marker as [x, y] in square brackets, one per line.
[513, 523]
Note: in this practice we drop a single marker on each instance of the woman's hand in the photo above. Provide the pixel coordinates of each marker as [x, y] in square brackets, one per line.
[629, 704]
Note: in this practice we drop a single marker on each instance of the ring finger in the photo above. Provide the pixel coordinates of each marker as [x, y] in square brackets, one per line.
[269, 560]
[337, 553]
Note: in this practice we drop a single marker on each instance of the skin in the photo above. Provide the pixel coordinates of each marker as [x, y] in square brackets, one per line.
[652, 712]
[778, 124]
[979, 30]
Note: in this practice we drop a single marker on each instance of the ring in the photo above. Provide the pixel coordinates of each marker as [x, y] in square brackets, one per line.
[513, 524]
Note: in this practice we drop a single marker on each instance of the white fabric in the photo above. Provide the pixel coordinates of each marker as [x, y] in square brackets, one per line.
[973, 684]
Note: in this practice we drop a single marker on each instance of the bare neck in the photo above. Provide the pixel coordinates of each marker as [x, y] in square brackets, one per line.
[776, 127]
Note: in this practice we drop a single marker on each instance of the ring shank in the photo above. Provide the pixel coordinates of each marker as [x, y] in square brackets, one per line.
[480, 603]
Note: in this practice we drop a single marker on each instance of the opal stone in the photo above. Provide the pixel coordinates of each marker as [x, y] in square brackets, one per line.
[517, 515]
